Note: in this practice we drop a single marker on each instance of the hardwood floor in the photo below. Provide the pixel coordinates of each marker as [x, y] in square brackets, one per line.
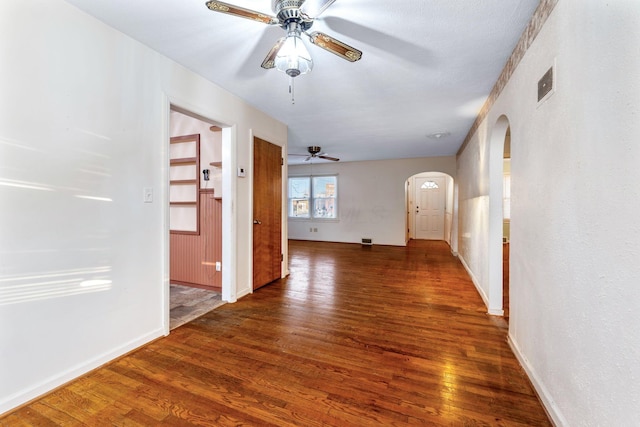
[354, 336]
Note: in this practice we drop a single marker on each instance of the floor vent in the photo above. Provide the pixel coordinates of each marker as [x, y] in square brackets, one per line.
[367, 242]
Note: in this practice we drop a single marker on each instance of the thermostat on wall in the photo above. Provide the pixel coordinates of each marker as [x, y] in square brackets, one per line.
[241, 172]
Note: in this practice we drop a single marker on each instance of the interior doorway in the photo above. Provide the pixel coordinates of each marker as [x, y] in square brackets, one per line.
[499, 288]
[506, 221]
[195, 216]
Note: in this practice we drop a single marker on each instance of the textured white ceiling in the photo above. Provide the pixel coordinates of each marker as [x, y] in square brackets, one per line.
[427, 66]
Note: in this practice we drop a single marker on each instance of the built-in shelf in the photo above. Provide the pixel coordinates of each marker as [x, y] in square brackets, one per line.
[215, 128]
[183, 203]
[184, 161]
[185, 185]
[183, 182]
[216, 164]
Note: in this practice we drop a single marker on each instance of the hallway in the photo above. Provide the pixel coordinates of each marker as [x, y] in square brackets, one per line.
[356, 335]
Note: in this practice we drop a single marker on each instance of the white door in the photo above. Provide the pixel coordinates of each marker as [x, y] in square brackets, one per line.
[429, 208]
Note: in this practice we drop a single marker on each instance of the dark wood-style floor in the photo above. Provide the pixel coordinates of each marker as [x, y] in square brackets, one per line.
[355, 336]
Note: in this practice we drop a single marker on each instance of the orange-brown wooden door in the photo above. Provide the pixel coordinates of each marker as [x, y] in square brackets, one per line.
[267, 212]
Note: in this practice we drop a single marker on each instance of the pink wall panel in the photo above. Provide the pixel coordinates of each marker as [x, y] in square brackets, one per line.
[193, 257]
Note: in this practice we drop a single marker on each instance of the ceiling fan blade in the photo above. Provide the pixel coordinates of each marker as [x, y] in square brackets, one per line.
[308, 158]
[333, 159]
[335, 46]
[218, 6]
[314, 8]
[269, 60]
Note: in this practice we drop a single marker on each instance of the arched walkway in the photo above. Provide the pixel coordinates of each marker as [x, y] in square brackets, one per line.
[496, 217]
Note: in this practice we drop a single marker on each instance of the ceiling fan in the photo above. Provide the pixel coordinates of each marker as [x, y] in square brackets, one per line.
[289, 54]
[316, 152]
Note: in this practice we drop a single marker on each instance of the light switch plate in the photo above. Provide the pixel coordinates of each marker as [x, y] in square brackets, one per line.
[147, 195]
[241, 172]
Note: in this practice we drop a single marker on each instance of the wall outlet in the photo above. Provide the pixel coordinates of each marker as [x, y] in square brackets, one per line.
[315, 230]
[218, 266]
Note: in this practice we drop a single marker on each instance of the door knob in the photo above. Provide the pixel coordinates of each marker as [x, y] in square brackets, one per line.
[255, 221]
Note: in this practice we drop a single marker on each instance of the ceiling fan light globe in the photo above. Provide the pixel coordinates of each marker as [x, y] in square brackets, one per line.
[293, 58]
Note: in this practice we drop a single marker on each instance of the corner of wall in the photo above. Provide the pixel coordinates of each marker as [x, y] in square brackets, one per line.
[23, 396]
[485, 299]
[549, 405]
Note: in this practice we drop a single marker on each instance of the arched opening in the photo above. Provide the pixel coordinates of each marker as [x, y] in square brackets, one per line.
[506, 218]
[499, 216]
[430, 205]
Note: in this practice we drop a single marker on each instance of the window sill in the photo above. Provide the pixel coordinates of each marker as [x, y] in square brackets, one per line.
[295, 219]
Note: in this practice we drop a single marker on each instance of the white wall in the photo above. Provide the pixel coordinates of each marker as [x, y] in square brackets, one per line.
[83, 129]
[371, 197]
[575, 237]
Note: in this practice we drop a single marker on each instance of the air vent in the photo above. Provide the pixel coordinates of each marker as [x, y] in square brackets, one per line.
[545, 84]
[367, 241]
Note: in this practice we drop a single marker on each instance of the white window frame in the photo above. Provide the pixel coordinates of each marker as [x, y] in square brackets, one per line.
[312, 199]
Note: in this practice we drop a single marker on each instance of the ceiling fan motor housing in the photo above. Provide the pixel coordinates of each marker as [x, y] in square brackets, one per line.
[289, 11]
[314, 149]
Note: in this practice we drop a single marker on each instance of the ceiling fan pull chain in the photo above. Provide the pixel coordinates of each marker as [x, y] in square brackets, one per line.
[293, 101]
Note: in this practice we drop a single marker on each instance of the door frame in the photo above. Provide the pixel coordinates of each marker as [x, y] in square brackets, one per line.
[229, 185]
[450, 206]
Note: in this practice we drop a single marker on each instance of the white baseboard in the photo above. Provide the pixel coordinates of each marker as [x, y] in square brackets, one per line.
[242, 293]
[545, 397]
[23, 396]
[484, 297]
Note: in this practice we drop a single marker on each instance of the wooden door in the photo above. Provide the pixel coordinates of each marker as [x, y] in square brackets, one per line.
[429, 219]
[267, 212]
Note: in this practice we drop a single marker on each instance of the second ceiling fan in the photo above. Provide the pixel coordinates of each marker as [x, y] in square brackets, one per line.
[296, 17]
[316, 152]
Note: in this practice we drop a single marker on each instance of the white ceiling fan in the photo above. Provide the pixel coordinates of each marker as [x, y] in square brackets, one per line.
[296, 17]
[316, 152]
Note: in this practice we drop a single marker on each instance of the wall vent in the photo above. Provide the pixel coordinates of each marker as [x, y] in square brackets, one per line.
[367, 241]
[545, 84]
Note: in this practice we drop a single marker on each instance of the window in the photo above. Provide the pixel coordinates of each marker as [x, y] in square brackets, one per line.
[429, 185]
[313, 197]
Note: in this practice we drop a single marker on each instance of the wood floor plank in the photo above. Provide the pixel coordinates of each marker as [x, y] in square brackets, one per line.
[355, 336]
